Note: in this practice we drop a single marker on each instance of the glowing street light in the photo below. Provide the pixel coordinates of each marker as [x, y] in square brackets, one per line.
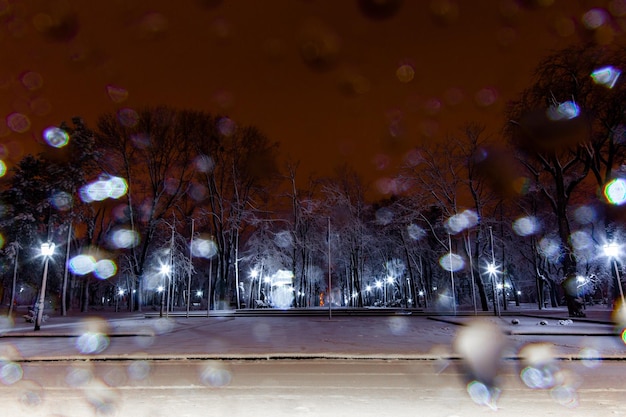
[493, 271]
[120, 294]
[612, 251]
[164, 270]
[379, 284]
[390, 280]
[368, 291]
[47, 250]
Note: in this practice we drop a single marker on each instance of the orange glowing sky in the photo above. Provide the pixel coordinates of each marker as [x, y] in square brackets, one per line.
[255, 61]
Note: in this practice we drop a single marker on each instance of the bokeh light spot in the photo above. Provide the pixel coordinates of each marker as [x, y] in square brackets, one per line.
[585, 215]
[95, 191]
[405, 73]
[226, 126]
[215, 374]
[140, 141]
[163, 325]
[127, 117]
[204, 163]
[3, 168]
[18, 122]
[78, 376]
[139, 370]
[124, 239]
[563, 111]
[479, 393]
[606, 76]
[590, 357]
[119, 187]
[415, 232]
[615, 191]
[595, 18]
[203, 248]
[262, 332]
[398, 326]
[581, 240]
[92, 342]
[197, 192]
[56, 137]
[116, 94]
[464, 220]
[549, 248]
[486, 97]
[10, 372]
[283, 239]
[105, 187]
[32, 80]
[538, 377]
[526, 226]
[105, 268]
[564, 395]
[82, 264]
[61, 200]
[451, 262]
[384, 216]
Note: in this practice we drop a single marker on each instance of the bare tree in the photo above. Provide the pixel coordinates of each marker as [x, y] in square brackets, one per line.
[347, 207]
[569, 125]
[452, 177]
[236, 165]
[151, 150]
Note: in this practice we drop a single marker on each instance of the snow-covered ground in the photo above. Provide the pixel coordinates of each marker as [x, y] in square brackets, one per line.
[124, 335]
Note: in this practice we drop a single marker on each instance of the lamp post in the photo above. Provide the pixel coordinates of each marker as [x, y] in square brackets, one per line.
[612, 251]
[492, 270]
[379, 285]
[119, 295]
[165, 271]
[254, 274]
[391, 281]
[47, 250]
[580, 283]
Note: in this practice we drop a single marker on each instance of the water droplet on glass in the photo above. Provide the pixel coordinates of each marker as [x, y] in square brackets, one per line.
[18, 122]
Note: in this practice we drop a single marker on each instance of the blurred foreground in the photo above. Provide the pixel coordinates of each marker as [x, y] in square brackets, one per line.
[108, 363]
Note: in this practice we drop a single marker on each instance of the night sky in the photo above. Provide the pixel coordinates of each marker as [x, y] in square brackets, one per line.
[357, 81]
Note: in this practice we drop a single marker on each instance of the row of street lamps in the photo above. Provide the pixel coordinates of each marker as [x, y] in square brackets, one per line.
[612, 251]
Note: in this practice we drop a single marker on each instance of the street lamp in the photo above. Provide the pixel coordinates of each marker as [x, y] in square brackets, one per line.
[47, 250]
[165, 271]
[612, 251]
[391, 281]
[378, 284]
[580, 283]
[120, 294]
[492, 270]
